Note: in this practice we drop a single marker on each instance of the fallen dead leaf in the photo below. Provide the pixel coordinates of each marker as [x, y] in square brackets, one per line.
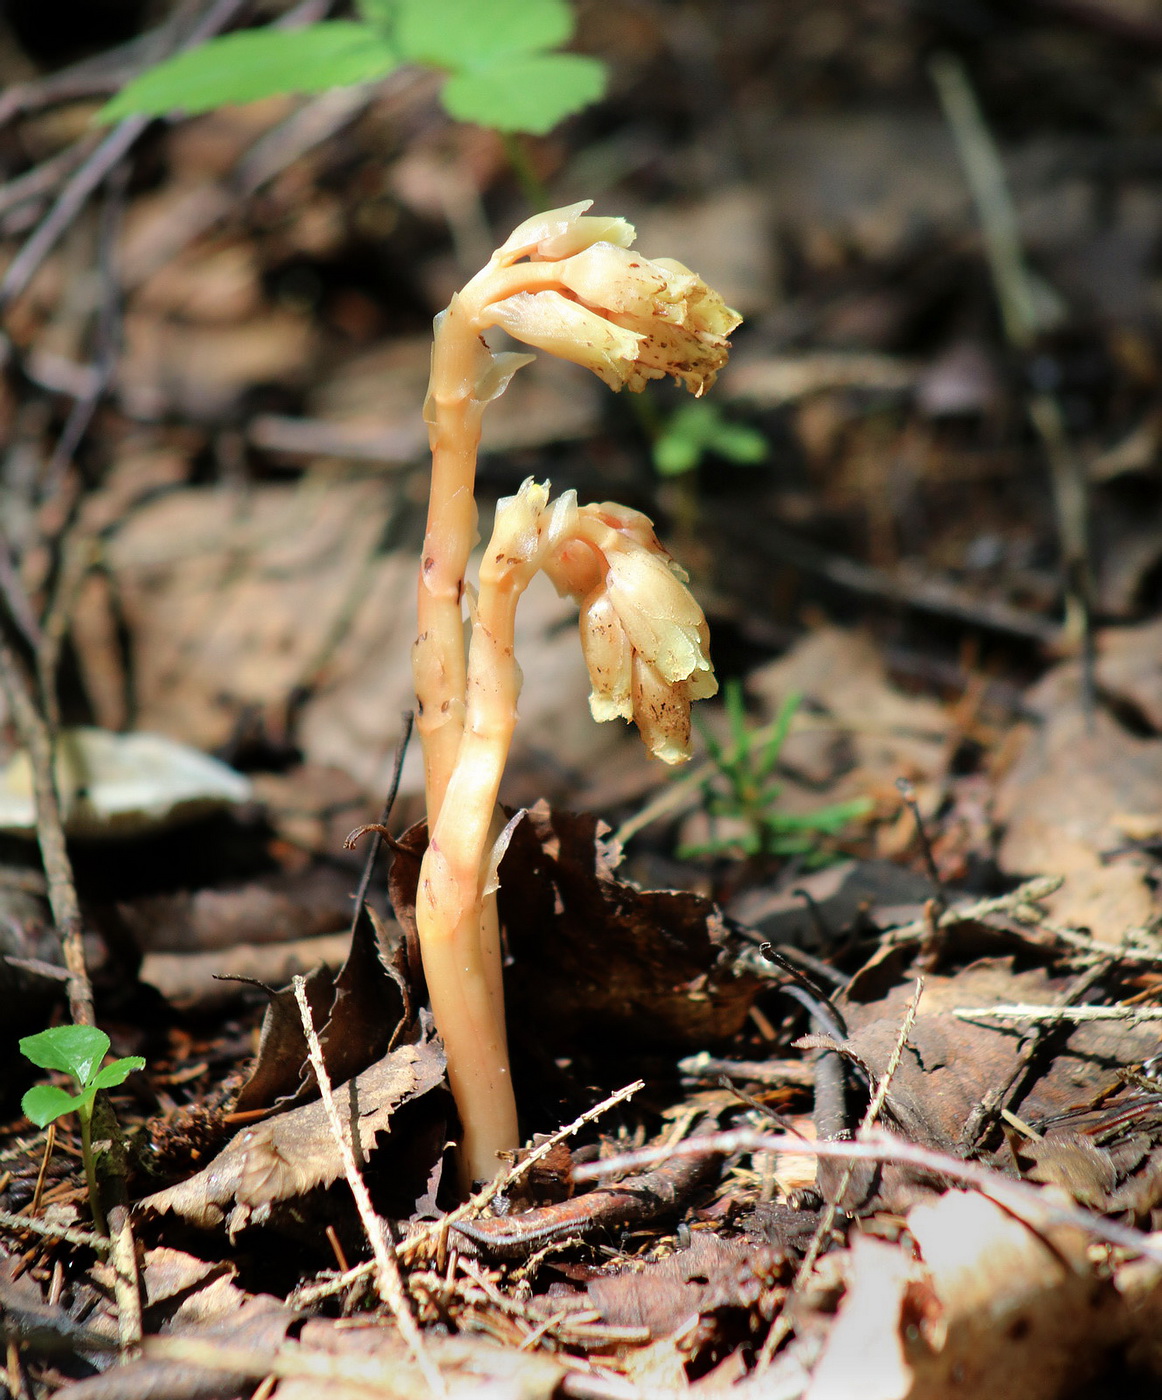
[1060, 802]
[289, 1155]
[593, 957]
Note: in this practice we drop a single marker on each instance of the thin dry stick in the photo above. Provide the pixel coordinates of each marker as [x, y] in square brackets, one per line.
[1005, 1095]
[34, 736]
[388, 1278]
[471, 1208]
[1002, 236]
[126, 1282]
[1029, 1203]
[84, 1239]
[76, 192]
[1019, 1012]
[782, 1324]
[437, 1231]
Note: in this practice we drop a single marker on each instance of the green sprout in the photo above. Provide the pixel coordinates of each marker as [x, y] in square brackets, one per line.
[76, 1051]
[699, 427]
[742, 788]
[498, 58]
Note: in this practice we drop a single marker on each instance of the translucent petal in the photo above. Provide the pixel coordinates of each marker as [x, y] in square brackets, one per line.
[552, 322]
[661, 618]
[616, 280]
[516, 530]
[662, 714]
[560, 233]
[609, 658]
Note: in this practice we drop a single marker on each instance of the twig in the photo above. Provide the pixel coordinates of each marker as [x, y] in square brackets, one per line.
[505, 1182]
[1025, 1201]
[1017, 1012]
[783, 1324]
[84, 1239]
[387, 1274]
[907, 791]
[126, 1281]
[1015, 903]
[984, 1115]
[1002, 238]
[92, 173]
[34, 737]
[107, 337]
[401, 748]
[43, 178]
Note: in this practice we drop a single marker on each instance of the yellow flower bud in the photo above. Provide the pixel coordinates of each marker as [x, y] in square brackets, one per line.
[663, 622]
[516, 537]
[624, 317]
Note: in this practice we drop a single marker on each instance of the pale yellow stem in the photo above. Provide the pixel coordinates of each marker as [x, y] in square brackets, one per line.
[459, 361]
[438, 658]
[455, 920]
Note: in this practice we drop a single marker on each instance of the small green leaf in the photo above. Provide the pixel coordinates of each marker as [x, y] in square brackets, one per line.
[740, 444]
[527, 93]
[77, 1050]
[117, 1073]
[674, 454]
[44, 1103]
[472, 34]
[258, 63]
[382, 13]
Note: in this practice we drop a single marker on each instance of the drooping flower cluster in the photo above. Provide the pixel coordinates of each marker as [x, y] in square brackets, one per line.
[643, 635]
[588, 298]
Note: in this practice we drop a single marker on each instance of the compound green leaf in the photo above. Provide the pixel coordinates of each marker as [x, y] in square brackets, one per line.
[473, 34]
[76, 1050]
[44, 1103]
[257, 63]
[529, 93]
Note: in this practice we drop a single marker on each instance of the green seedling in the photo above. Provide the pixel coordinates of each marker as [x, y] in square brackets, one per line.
[76, 1051]
[743, 788]
[499, 60]
[698, 428]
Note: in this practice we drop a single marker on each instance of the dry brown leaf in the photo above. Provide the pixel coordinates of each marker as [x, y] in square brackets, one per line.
[864, 1354]
[877, 734]
[1011, 1314]
[293, 1153]
[712, 1274]
[1060, 803]
[592, 956]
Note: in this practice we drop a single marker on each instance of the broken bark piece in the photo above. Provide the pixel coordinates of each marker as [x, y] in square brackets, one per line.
[648, 1197]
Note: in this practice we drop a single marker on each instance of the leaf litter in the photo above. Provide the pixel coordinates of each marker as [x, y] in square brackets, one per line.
[266, 618]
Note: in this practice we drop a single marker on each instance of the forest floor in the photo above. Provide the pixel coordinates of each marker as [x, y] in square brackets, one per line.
[842, 1079]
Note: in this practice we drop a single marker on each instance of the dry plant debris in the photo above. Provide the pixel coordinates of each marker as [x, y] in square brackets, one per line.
[776, 1179]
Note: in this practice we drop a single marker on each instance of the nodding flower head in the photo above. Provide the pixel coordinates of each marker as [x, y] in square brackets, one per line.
[603, 306]
[644, 637]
